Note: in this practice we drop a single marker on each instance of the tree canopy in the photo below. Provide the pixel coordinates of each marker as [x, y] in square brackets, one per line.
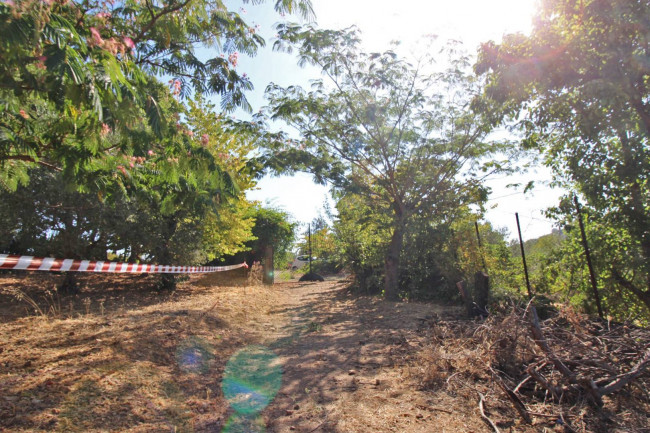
[398, 135]
[80, 78]
[578, 87]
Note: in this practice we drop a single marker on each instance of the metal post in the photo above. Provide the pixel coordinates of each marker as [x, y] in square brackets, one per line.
[309, 232]
[592, 273]
[523, 257]
[480, 246]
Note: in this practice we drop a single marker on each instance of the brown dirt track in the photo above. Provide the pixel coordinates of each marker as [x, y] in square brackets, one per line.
[111, 359]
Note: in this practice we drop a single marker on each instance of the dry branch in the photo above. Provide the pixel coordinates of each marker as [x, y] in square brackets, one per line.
[624, 379]
[537, 376]
[516, 402]
[586, 383]
[484, 416]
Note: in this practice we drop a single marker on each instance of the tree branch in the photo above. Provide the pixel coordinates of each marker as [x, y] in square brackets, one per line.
[28, 158]
[156, 17]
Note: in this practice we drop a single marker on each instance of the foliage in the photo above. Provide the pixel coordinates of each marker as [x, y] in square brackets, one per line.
[361, 237]
[397, 136]
[123, 165]
[272, 228]
[323, 246]
[578, 87]
[227, 229]
[494, 257]
[179, 204]
[79, 79]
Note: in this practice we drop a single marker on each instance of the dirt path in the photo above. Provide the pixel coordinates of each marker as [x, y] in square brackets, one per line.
[120, 358]
[347, 365]
[224, 354]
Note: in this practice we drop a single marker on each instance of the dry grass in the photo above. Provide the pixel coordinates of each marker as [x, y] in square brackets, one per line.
[121, 357]
[124, 358]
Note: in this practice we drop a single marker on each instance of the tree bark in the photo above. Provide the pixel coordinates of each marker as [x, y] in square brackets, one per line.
[644, 296]
[167, 281]
[392, 261]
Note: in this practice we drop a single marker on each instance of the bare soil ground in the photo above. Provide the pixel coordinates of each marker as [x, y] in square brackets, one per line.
[121, 357]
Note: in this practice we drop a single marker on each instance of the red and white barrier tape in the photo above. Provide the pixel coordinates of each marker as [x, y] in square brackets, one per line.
[29, 263]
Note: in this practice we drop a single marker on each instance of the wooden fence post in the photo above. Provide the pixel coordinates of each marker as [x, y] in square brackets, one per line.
[268, 269]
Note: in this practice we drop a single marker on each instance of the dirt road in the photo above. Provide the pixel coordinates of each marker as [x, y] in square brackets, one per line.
[349, 365]
[120, 358]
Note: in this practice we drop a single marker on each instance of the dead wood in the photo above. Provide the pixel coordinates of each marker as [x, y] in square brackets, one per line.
[625, 378]
[516, 402]
[569, 364]
[586, 383]
[484, 416]
[537, 376]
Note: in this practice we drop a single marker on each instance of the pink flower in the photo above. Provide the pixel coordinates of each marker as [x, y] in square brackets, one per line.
[131, 165]
[96, 37]
[24, 114]
[10, 3]
[122, 169]
[189, 133]
[103, 15]
[177, 87]
[129, 43]
[205, 139]
[151, 152]
[233, 58]
[105, 130]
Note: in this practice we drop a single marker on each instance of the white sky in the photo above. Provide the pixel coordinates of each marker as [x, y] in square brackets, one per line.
[381, 21]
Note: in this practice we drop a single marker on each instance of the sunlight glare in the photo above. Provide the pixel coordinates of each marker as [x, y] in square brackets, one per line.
[471, 21]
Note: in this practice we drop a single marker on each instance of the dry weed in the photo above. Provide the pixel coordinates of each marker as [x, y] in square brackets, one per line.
[500, 356]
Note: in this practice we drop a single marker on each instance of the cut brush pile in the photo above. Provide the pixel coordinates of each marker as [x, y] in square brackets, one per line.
[568, 373]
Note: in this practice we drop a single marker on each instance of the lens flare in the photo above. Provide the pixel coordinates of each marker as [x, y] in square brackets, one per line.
[194, 356]
[251, 380]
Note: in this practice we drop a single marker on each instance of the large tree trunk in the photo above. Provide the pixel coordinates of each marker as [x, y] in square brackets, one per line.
[391, 262]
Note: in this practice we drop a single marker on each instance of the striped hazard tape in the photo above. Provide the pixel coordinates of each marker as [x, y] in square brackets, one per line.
[30, 263]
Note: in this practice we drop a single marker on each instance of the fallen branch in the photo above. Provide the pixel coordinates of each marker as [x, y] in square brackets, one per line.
[522, 383]
[516, 402]
[586, 383]
[624, 379]
[484, 416]
[537, 376]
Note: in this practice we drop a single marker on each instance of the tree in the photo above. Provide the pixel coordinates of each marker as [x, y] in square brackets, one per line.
[81, 97]
[179, 204]
[272, 228]
[397, 135]
[78, 80]
[228, 227]
[578, 87]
